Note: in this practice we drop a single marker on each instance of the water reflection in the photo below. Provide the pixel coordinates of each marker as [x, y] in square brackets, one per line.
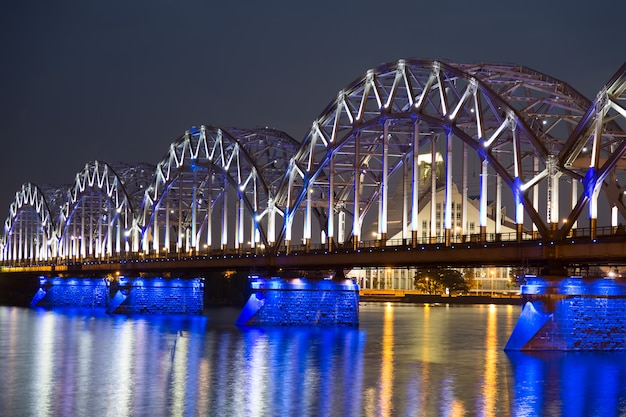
[569, 383]
[299, 371]
[490, 387]
[386, 377]
[45, 360]
[404, 360]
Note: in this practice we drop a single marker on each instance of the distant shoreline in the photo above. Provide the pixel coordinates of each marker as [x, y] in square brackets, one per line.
[438, 299]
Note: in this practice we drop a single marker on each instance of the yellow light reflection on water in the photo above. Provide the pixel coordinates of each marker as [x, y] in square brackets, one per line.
[512, 314]
[204, 386]
[426, 357]
[490, 387]
[386, 377]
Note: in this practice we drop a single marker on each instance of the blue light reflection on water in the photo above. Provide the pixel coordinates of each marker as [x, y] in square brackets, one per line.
[575, 383]
[403, 360]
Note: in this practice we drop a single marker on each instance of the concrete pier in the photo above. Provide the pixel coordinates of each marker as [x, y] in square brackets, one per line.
[571, 314]
[301, 302]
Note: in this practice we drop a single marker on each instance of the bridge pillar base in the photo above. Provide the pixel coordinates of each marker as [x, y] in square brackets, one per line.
[133, 296]
[158, 296]
[571, 314]
[60, 292]
[301, 302]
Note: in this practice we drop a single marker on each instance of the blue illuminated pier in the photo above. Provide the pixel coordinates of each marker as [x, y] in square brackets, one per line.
[133, 296]
[72, 292]
[301, 302]
[571, 314]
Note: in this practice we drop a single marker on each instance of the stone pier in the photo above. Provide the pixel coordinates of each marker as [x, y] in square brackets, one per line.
[571, 314]
[71, 292]
[301, 302]
[132, 295]
[158, 296]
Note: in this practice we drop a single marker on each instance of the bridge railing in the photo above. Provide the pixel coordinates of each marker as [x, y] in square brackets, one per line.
[437, 240]
[576, 235]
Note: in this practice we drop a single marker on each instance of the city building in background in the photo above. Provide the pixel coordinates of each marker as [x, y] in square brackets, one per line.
[482, 280]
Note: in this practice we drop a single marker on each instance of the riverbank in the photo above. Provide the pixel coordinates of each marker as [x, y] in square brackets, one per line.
[401, 297]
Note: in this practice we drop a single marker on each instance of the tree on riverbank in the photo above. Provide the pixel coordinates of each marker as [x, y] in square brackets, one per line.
[437, 280]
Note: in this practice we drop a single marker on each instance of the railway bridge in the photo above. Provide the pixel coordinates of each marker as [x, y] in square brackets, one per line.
[415, 162]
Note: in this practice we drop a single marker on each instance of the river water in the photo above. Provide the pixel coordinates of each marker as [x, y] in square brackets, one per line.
[403, 360]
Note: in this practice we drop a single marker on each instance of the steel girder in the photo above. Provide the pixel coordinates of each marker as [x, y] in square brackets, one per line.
[530, 133]
[30, 227]
[595, 152]
[567, 124]
[98, 213]
[521, 122]
[181, 206]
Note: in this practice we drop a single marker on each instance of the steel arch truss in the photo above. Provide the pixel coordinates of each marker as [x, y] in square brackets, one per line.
[404, 139]
[595, 153]
[369, 141]
[96, 216]
[186, 208]
[29, 230]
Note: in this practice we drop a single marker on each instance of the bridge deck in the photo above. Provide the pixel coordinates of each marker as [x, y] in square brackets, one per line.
[574, 252]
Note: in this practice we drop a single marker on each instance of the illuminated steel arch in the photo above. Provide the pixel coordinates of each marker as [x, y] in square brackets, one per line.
[368, 142]
[186, 208]
[96, 219]
[29, 229]
[565, 123]
[396, 140]
[272, 151]
[595, 153]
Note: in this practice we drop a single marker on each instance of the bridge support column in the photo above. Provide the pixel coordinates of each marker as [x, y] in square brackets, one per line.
[299, 301]
[571, 314]
[158, 296]
[519, 232]
[483, 233]
[593, 224]
[382, 240]
[72, 292]
[133, 296]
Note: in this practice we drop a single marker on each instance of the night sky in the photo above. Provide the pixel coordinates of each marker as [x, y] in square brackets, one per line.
[119, 80]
